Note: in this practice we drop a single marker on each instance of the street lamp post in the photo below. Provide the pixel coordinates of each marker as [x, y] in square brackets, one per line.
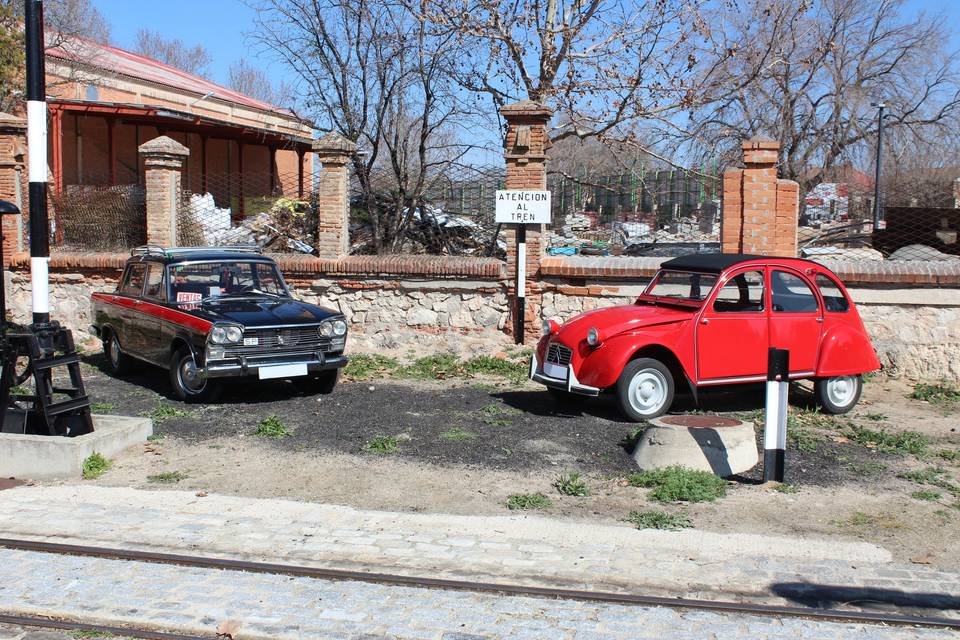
[876, 180]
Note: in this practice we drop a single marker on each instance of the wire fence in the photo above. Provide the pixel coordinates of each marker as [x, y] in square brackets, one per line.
[273, 211]
[918, 219]
[450, 213]
[664, 212]
[91, 217]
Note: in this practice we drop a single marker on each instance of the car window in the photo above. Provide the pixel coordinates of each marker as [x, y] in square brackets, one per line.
[682, 284]
[192, 282]
[743, 293]
[791, 294]
[268, 280]
[133, 282]
[833, 298]
[154, 288]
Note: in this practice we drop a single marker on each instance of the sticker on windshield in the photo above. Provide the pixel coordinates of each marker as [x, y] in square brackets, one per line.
[188, 296]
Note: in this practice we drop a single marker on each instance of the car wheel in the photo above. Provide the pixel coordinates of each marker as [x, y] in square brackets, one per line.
[118, 363]
[645, 389]
[324, 382]
[186, 381]
[838, 394]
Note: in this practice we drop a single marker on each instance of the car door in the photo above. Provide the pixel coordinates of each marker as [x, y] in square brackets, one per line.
[796, 318]
[154, 347]
[127, 301]
[732, 332]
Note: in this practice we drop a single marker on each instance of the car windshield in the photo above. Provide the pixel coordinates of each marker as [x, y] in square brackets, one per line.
[194, 282]
[682, 285]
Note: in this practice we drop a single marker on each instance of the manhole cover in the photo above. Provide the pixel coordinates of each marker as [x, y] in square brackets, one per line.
[700, 422]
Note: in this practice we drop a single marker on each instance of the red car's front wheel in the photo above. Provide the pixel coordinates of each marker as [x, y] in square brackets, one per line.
[645, 389]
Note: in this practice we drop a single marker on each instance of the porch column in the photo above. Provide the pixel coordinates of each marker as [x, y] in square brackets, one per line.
[333, 195]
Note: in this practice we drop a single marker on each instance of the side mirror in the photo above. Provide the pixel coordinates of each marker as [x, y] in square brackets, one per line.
[8, 209]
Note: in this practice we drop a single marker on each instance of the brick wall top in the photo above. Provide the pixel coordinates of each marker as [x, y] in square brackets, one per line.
[851, 272]
[526, 109]
[163, 145]
[11, 123]
[433, 266]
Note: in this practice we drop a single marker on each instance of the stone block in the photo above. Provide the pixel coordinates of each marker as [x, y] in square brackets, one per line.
[723, 446]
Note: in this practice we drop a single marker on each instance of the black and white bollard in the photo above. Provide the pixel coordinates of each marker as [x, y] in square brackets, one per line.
[519, 327]
[775, 428]
[37, 158]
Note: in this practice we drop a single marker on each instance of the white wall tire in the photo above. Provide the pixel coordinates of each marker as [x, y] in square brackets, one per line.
[839, 394]
[645, 389]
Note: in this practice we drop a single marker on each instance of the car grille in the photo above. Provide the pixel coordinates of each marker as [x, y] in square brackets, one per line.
[559, 354]
[286, 340]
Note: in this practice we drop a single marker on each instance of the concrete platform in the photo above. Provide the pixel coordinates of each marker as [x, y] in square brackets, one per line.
[52, 457]
[721, 445]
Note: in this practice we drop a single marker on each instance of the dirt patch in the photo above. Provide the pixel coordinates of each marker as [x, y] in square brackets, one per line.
[465, 446]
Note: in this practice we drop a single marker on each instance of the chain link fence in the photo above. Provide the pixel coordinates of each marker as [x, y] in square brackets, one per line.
[918, 218]
[451, 213]
[646, 213]
[271, 211]
[91, 217]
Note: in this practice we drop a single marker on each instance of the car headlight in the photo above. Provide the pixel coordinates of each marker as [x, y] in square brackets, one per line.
[550, 327]
[593, 337]
[225, 334]
[546, 328]
[339, 328]
[325, 330]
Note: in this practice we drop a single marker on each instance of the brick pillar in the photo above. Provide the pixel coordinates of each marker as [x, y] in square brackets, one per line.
[333, 195]
[163, 160]
[525, 153]
[13, 146]
[760, 211]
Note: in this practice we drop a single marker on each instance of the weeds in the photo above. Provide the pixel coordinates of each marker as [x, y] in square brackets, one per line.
[930, 475]
[436, 367]
[785, 488]
[102, 407]
[95, 466]
[861, 519]
[868, 469]
[458, 435]
[926, 495]
[528, 501]
[156, 437]
[942, 394]
[381, 445]
[489, 365]
[898, 443]
[950, 455]
[272, 427]
[571, 484]
[365, 366]
[680, 484]
[167, 477]
[659, 520]
[493, 414]
[632, 437]
[876, 417]
[163, 412]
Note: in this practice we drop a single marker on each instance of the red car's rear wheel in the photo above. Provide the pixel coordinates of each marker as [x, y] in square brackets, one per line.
[838, 394]
[645, 389]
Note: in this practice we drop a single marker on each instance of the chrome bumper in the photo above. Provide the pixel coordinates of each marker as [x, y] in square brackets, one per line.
[250, 366]
[569, 383]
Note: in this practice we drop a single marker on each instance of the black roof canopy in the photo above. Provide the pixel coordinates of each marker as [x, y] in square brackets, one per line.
[709, 262]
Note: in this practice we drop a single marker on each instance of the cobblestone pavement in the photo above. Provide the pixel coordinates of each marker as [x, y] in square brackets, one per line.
[517, 549]
[269, 606]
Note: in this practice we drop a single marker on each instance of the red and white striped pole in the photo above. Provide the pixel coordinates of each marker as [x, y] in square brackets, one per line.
[37, 160]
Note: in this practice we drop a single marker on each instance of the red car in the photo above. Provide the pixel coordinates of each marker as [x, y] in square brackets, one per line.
[710, 319]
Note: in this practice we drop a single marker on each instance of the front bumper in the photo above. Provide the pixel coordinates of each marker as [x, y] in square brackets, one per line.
[250, 366]
[568, 382]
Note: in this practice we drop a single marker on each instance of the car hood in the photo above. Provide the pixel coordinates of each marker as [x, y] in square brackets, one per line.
[261, 312]
[611, 321]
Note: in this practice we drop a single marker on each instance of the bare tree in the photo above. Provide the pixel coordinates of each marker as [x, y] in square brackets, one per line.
[252, 81]
[375, 73]
[818, 67]
[75, 18]
[173, 51]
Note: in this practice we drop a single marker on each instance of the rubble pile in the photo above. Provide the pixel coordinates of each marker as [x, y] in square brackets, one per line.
[289, 224]
[432, 230]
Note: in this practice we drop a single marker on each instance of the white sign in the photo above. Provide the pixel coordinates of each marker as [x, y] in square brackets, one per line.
[523, 207]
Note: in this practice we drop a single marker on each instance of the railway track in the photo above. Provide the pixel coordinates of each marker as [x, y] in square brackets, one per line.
[602, 597]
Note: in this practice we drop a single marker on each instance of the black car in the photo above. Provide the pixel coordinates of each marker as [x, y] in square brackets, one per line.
[211, 313]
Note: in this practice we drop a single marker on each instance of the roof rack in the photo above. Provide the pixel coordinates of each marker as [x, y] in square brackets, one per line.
[156, 250]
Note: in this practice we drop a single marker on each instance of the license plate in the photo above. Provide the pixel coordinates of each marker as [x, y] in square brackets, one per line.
[282, 371]
[251, 342]
[555, 370]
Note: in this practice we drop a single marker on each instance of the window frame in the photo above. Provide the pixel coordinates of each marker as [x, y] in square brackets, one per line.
[836, 284]
[131, 268]
[818, 309]
[720, 287]
[162, 294]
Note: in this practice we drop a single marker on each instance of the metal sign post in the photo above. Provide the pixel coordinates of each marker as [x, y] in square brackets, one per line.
[775, 429]
[37, 159]
[522, 208]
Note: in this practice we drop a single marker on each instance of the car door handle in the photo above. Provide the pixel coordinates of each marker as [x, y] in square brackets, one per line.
[819, 319]
[704, 320]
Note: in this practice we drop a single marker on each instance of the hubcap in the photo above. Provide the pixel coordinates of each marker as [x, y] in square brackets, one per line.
[648, 391]
[841, 390]
[114, 352]
[189, 375]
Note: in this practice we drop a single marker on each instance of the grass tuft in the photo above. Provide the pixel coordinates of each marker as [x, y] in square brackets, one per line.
[680, 484]
[942, 394]
[653, 519]
[163, 412]
[167, 477]
[868, 469]
[156, 437]
[492, 366]
[571, 484]
[528, 501]
[95, 466]
[436, 367]
[272, 427]
[902, 443]
[458, 434]
[930, 475]
[381, 445]
[925, 495]
[102, 407]
[785, 488]
[366, 366]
